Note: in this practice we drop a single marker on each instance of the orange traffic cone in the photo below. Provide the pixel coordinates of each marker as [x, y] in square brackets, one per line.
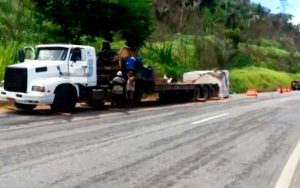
[279, 89]
[284, 90]
[252, 92]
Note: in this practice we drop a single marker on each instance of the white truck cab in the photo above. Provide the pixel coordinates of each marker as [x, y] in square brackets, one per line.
[55, 75]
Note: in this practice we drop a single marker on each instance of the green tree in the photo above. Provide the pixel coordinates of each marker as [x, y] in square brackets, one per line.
[19, 23]
[129, 19]
[15, 20]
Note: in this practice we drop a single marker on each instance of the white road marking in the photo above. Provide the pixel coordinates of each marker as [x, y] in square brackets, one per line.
[210, 118]
[289, 170]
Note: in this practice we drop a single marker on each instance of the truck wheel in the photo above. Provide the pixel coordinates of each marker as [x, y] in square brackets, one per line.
[205, 93]
[215, 90]
[65, 100]
[163, 97]
[197, 92]
[25, 106]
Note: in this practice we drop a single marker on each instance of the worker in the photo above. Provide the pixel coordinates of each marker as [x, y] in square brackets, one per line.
[118, 84]
[130, 88]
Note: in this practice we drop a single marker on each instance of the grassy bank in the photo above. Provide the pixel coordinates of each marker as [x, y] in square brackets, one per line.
[262, 79]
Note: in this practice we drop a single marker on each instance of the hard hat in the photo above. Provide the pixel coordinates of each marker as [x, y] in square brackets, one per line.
[119, 73]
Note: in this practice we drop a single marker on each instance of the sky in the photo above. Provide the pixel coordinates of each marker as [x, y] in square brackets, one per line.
[292, 7]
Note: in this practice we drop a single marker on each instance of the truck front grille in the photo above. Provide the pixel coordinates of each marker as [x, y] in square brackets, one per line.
[15, 79]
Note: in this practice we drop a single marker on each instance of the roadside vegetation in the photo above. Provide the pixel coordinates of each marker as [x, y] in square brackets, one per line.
[262, 79]
[7, 56]
[261, 49]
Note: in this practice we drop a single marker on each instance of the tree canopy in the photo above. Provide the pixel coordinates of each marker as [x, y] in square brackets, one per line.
[222, 32]
[129, 19]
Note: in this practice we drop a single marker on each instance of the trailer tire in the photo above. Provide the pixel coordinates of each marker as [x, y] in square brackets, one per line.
[205, 93]
[197, 93]
[25, 106]
[65, 99]
[163, 97]
[215, 91]
[96, 103]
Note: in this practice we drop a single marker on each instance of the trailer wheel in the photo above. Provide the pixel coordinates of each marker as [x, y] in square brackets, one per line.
[215, 90]
[205, 93]
[25, 106]
[197, 93]
[96, 103]
[65, 99]
[163, 97]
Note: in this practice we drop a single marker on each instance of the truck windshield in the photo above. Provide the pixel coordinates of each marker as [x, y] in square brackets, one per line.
[52, 53]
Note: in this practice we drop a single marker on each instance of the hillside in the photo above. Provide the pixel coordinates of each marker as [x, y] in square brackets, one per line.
[235, 35]
[231, 33]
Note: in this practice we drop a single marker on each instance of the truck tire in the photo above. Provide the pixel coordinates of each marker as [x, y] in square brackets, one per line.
[215, 91]
[25, 106]
[163, 97]
[197, 92]
[205, 93]
[65, 99]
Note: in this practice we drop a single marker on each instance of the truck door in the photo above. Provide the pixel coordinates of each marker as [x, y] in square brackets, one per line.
[78, 63]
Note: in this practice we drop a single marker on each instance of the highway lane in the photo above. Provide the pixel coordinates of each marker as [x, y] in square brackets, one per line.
[239, 142]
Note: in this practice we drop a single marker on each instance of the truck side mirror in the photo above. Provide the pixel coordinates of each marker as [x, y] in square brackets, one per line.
[21, 55]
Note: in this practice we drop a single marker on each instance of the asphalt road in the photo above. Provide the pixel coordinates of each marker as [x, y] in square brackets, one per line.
[296, 178]
[240, 142]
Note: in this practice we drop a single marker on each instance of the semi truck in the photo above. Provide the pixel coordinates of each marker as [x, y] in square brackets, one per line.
[61, 75]
[295, 85]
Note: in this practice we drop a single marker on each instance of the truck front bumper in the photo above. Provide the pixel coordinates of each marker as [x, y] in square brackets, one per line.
[26, 98]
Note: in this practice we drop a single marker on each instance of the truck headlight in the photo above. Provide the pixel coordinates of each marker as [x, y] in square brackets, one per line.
[38, 88]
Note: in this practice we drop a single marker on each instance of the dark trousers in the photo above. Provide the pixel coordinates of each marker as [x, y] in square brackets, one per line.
[118, 100]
